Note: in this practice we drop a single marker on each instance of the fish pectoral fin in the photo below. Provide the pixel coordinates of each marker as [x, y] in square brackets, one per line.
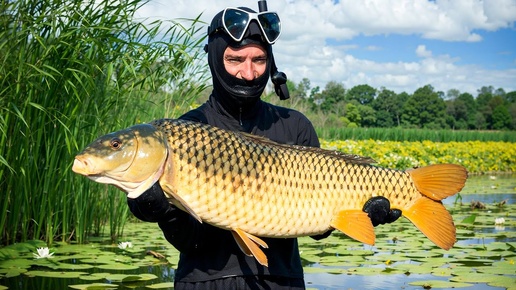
[433, 220]
[440, 180]
[356, 224]
[249, 244]
[178, 201]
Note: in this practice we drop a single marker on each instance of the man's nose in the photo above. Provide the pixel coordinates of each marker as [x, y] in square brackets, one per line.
[248, 71]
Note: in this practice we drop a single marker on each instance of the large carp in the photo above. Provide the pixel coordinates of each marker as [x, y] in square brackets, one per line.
[255, 188]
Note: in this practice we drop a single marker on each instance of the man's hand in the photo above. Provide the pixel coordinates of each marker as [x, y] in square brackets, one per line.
[150, 206]
[379, 210]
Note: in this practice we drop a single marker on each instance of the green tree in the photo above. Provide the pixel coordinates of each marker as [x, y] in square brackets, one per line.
[471, 108]
[368, 116]
[363, 94]
[332, 94]
[424, 109]
[512, 112]
[484, 97]
[501, 118]
[511, 97]
[456, 114]
[452, 94]
[353, 114]
[388, 106]
[304, 87]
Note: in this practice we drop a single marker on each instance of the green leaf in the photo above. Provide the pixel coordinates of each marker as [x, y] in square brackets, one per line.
[469, 220]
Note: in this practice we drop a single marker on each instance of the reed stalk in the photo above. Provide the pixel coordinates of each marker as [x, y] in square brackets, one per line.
[69, 72]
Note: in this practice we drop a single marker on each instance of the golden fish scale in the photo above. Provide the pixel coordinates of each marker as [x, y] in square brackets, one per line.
[272, 190]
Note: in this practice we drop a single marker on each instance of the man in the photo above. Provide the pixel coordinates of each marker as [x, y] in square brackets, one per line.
[241, 62]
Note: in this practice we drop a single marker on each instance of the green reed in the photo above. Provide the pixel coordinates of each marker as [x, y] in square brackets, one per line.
[403, 134]
[69, 72]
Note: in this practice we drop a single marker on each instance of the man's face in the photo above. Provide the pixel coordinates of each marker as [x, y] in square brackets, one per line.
[247, 62]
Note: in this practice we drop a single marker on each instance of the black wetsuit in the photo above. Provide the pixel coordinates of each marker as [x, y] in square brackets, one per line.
[210, 257]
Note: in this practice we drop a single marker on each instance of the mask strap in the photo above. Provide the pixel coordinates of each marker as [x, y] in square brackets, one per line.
[279, 79]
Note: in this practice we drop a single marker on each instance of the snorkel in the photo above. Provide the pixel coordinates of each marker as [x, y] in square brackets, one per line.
[279, 79]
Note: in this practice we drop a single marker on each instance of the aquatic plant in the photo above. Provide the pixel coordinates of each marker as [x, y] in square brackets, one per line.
[43, 253]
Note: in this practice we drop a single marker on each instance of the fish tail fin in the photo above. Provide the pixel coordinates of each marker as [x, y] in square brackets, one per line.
[436, 182]
[433, 220]
[439, 181]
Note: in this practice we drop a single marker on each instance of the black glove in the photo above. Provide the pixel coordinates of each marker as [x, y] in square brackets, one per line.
[379, 210]
[322, 236]
[152, 205]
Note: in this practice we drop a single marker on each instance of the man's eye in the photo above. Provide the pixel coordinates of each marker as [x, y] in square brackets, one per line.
[233, 59]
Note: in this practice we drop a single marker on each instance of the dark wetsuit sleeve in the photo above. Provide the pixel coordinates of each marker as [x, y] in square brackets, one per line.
[180, 228]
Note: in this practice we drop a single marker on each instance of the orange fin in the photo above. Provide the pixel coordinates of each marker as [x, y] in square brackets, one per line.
[249, 245]
[439, 181]
[433, 220]
[178, 201]
[356, 224]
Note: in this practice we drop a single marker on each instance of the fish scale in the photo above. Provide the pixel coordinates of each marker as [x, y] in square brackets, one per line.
[255, 187]
[285, 183]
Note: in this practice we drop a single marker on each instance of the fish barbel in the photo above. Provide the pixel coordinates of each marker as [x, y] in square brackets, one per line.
[255, 187]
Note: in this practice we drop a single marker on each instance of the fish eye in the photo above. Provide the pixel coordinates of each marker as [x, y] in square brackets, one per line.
[116, 143]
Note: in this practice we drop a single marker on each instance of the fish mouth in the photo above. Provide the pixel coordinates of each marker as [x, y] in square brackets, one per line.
[82, 166]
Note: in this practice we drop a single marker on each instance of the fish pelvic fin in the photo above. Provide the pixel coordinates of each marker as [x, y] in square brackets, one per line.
[439, 181]
[250, 245]
[176, 200]
[433, 220]
[356, 224]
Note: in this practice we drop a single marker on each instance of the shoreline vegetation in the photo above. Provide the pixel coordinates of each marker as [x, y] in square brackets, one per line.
[478, 157]
[73, 72]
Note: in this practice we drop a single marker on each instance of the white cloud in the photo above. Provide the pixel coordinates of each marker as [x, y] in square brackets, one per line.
[308, 25]
[421, 51]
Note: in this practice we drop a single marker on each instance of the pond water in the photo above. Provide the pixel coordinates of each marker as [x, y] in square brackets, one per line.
[483, 257]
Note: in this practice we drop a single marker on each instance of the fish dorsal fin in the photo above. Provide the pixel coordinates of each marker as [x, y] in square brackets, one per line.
[439, 181]
[433, 220]
[249, 244]
[348, 158]
[356, 224]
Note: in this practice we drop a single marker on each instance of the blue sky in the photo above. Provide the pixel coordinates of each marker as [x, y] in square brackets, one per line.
[397, 44]
[497, 50]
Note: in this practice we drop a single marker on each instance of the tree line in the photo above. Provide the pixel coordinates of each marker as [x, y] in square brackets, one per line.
[426, 107]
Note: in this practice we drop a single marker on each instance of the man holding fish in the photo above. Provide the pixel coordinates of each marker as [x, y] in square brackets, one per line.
[241, 62]
[212, 257]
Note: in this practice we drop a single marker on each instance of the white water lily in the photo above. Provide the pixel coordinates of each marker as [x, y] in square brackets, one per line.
[43, 253]
[499, 221]
[125, 245]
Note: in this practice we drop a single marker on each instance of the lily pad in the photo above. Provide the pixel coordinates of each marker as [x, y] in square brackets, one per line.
[12, 272]
[167, 285]
[54, 274]
[435, 284]
[366, 271]
[117, 266]
[94, 276]
[94, 286]
[130, 278]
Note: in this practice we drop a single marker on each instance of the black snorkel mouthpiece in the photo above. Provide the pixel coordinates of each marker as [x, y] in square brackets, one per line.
[262, 5]
[278, 78]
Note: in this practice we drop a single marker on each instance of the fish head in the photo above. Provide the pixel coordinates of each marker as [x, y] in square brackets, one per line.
[131, 159]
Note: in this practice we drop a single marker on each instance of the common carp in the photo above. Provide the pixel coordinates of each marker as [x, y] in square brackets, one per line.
[255, 187]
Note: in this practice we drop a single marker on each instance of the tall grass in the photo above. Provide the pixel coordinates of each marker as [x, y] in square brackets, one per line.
[70, 71]
[401, 134]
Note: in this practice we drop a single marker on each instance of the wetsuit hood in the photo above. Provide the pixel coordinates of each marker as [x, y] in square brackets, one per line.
[236, 95]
